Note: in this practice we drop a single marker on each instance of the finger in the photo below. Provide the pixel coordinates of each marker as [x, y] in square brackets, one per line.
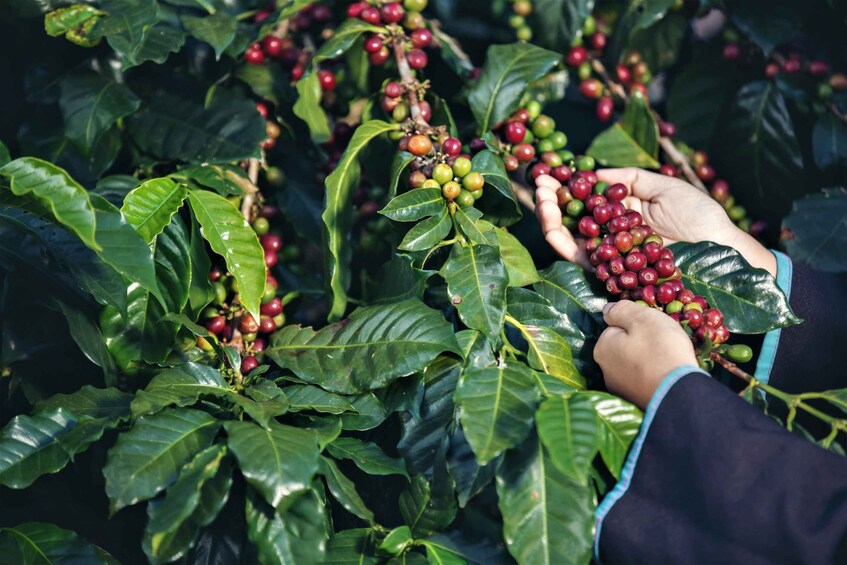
[547, 209]
[556, 235]
[608, 342]
[548, 182]
[623, 314]
[642, 184]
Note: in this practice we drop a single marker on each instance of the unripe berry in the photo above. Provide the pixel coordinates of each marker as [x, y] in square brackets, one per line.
[451, 190]
[552, 158]
[592, 244]
[694, 318]
[465, 199]
[543, 126]
[588, 227]
[617, 265]
[421, 38]
[577, 56]
[415, 5]
[473, 181]
[420, 145]
[512, 164]
[442, 173]
[462, 166]
[674, 307]
[638, 234]
[617, 192]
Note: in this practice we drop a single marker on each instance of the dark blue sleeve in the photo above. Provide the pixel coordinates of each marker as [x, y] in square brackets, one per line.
[710, 479]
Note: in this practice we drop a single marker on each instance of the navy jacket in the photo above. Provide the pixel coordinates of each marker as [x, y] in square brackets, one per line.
[711, 479]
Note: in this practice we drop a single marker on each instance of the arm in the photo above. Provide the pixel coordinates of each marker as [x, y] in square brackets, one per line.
[711, 480]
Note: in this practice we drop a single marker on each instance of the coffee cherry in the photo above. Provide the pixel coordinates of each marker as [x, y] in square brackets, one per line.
[373, 44]
[272, 46]
[379, 58]
[539, 169]
[588, 227]
[371, 15]
[606, 252]
[271, 242]
[838, 81]
[771, 70]
[465, 199]
[421, 38]
[415, 5]
[430, 183]
[617, 192]
[543, 126]
[602, 214]
[416, 179]
[713, 317]
[664, 268]
[248, 324]
[261, 226]
[580, 188]
[512, 164]
[731, 52]
[648, 277]
[667, 129]
[254, 56]
[694, 318]
[648, 295]
[721, 334]
[267, 324]
[605, 108]
[552, 158]
[451, 190]
[593, 201]
[704, 333]
[515, 132]
[392, 13]
[666, 254]
[462, 166]
[603, 272]
[272, 258]
[393, 90]
[562, 174]
[248, 364]
[665, 293]
[792, 65]
[617, 265]
[417, 59]
[473, 181]
[705, 172]
[272, 308]
[685, 296]
[669, 170]
[618, 224]
[613, 286]
[635, 261]
[598, 41]
[585, 163]
[216, 325]
[628, 280]
[327, 80]
[420, 145]
[451, 146]
[524, 152]
[577, 56]
[591, 88]
[442, 173]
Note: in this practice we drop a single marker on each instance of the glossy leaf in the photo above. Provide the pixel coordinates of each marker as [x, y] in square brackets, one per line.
[497, 408]
[344, 490]
[471, 478]
[499, 205]
[231, 237]
[399, 163]
[150, 206]
[344, 38]
[548, 518]
[367, 456]
[660, 44]
[616, 148]
[619, 423]
[351, 546]
[760, 151]
[415, 204]
[640, 123]
[376, 346]
[429, 506]
[57, 191]
[133, 31]
[90, 402]
[817, 230]
[829, 141]
[171, 128]
[91, 104]
[278, 461]
[559, 22]
[427, 233]
[147, 459]
[296, 537]
[338, 213]
[36, 542]
[310, 397]
[476, 283]
[30, 446]
[749, 298]
[180, 386]
[308, 107]
[569, 430]
[218, 30]
[519, 264]
[635, 15]
[506, 72]
[549, 352]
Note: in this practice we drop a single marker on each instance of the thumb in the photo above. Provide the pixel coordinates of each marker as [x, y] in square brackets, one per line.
[623, 314]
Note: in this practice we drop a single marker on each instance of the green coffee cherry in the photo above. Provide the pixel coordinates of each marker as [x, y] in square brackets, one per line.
[559, 140]
[473, 181]
[575, 208]
[585, 163]
[269, 294]
[261, 226]
[739, 353]
[545, 146]
[674, 307]
[524, 33]
[431, 183]
[465, 199]
[584, 71]
[543, 126]
[569, 222]
[275, 177]
[534, 109]
[220, 292]
[590, 26]
[477, 194]
[567, 156]
[600, 187]
[442, 173]
[462, 166]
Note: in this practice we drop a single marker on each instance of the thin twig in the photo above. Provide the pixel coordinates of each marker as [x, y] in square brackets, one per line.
[408, 80]
[250, 198]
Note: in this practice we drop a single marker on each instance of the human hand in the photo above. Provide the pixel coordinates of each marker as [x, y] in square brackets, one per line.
[638, 350]
[673, 208]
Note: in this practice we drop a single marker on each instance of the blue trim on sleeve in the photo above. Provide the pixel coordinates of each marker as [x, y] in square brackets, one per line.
[629, 466]
[764, 365]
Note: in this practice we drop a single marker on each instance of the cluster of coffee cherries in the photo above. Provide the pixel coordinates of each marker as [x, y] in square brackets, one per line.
[272, 129]
[226, 315]
[394, 104]
[406, 14]
[291, 55]
[521, 9]
[528, 135]
[442, 165]
[631, 259]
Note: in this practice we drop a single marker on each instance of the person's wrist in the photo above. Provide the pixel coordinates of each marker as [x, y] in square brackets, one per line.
[753, 252]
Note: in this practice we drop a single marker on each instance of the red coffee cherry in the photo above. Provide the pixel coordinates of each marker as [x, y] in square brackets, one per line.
[417, 59]
[589, 228]
[515, 132]
[605, 108]
[392, 13]
[248, 364]
[421, 38]
[577, 56]
[635, 261]
[451, 146]
[617, 192]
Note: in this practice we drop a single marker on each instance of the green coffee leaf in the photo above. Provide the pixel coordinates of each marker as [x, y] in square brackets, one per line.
[569, 430]
[476, 282]
[150, 206]
[817, 230]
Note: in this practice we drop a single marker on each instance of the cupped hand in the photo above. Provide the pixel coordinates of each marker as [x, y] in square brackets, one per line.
[638, 350]
[672, 207]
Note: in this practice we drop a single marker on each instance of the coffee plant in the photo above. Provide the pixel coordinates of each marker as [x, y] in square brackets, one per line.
[272, 288]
